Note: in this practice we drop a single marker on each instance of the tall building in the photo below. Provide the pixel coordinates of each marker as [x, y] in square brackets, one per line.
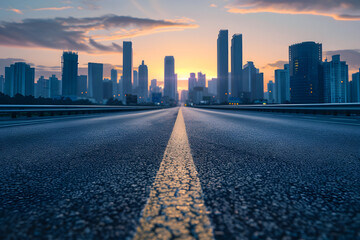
[170, 85]
[201, 81]
[154, 88]
[355, 88]
[336, 78]
[19, 79]
[114, 80]
[107, 89]
[212, 87]
[143, 83]
[82, 86]
[252, 84]
[54, 86]
[127, 68]
[136, 79]
[95, 75]
[69, 73]
[306, 81]
[222, 66]
[236, 65]
[2, 83]
[191, 82]
[42, 88]
[282, 85]
[270, 92]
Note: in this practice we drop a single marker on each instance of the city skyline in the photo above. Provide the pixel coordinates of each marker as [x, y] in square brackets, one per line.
[266, 36]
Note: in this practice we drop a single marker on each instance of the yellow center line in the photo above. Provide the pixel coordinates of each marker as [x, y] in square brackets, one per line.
[175, 208]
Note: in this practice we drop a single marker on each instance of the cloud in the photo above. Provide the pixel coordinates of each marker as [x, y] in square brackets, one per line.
[337, 9]
[213, 5]
[82, 34]
[53, 8]
[18, 11]
[277, 64]
[351, 56]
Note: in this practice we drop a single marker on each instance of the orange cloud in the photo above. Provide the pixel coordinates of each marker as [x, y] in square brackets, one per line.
[52, 8]
[346, 10]
[16, 10]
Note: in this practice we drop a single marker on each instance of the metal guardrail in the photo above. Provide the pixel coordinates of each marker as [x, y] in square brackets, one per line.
[327, 109]
[51, 110]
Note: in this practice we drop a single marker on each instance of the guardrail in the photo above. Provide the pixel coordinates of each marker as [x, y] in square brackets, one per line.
[50, 110]
[326, 109]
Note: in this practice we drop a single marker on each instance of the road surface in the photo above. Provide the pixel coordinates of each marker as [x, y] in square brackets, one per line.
[193, 173]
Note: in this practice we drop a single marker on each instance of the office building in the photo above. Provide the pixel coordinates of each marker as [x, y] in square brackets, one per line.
[95, 75]
[170, 84]
[192, 82]
[143, 83]
[19, 79]
[271, 92]
[236, 65]
[82, 86]
[69, 73]
[222, 66]
[306, 81]
[212, 87]
[336, 78]
[114, 80]
[252, 84]
[355, 88]
[42, 88]
[127, 68]
[201, 80]
[136, 79]
[2, 83]
[54, 86]
[282, 85]
[107, 89]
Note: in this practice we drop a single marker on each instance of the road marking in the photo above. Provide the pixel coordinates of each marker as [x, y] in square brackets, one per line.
[175, 208]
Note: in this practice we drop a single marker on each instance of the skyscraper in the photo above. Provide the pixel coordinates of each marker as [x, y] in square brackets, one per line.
[236, 65]
[355, 87]
[55, 86]
[127, 68]
[201, 81]
[114, 78]
[306, 80]
[42, 88]
[2, 82]
[252, 84]
[95, 75]
[336, 78]
[212, 86]
[169, 78]
[82, 86]
[107, 89]
[191, 82]
[270, 92]
[222, 66]
[69, 73]
[136, 79]
[19, 78]
[282, 85]
[143, 83]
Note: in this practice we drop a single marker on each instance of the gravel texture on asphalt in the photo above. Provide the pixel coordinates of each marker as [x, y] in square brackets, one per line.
[272, 176]
[80, 178]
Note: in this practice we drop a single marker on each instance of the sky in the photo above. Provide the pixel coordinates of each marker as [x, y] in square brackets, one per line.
[37, 31]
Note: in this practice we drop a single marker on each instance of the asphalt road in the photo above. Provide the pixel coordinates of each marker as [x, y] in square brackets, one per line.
[277, 176]
[86, 177]
[257, 175]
